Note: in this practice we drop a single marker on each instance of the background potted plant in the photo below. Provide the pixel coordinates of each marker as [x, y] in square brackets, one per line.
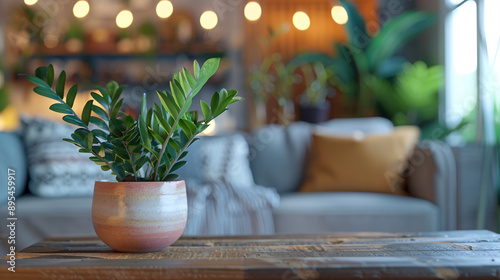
[145, 210]
[314, 107]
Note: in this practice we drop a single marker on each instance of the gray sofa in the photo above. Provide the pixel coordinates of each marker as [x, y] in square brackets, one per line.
[277, 157]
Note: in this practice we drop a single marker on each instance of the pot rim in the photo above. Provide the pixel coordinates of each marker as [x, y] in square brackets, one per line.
[134, 182]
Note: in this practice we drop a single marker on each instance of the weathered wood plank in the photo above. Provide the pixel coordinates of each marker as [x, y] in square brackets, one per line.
[443, 255]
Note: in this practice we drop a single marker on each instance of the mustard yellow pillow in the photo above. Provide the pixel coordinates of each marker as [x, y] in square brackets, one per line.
[374, 163]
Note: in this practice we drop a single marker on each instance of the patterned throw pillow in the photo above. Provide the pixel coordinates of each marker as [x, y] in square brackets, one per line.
[219, 159]
[56, 168]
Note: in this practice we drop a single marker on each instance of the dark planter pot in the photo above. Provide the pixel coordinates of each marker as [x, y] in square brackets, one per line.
[315, 114]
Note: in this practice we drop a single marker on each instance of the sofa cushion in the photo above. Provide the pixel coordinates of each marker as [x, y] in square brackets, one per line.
[12, 157]
[278, 153]
[56, 168]
[221, 158]
[374, 163]
[301, 213]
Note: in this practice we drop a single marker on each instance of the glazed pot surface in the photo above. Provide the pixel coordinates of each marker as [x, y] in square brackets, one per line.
[139, 216]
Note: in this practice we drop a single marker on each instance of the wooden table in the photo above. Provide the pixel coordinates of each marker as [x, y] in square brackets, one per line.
[442, 255]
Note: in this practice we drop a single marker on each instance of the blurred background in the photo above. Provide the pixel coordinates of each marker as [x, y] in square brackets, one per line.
[433, 64]
[283, 56]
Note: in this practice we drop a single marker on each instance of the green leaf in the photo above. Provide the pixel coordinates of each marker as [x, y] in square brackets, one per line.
[117, 127]
[99, 111]
[50, 75]
[116, 95]
[395, 34]
[196, 70]
[128, 121]
[121, 152]
[206, 110]
[38, 81]
[168, 102]
[162, 121]
[89, 140]
[155, 153]
[177, 166]
[70, 97]
[46, 92]
[116, 108]
[189, 78]
[61, 108]
[87, 110]
[118, 169]
[157, 136]
[144, 109]
[73, 120]
[100, 100]
[60, 84]
[111, 88]
[78, 139]
[105, 94]
[71, 141]
[42, 73]
[105, 168]
[358, 37]
[214, 103]
[143, 130]
[99, 133]
[99, 122]
[170, 177]
[140, 163]
[185, 128]
[177, 93]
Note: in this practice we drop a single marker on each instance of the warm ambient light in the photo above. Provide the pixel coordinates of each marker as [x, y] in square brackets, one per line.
[30, 2]
[81, 9]
[339, 15]
[208, 20]
[210, 130]
[124, 19]
[253, 11]
[164, 9]
[301, 21]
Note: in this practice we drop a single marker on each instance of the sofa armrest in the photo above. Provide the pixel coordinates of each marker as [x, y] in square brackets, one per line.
[432, 176]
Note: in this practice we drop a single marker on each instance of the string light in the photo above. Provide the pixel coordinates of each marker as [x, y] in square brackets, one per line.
[301, 21]
[81, 9]
[253, 11]
[339, 15]
[30, 2]
[124, 19]
[208, 20]
[164, 9]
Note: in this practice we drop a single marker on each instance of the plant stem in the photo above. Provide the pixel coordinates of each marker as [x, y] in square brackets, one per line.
[172, 129]
[131, 160]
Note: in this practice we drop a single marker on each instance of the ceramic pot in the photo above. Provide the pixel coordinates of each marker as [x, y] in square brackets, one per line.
[139, 216]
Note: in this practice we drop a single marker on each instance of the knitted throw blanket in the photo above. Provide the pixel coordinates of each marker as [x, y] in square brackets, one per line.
[219, 208]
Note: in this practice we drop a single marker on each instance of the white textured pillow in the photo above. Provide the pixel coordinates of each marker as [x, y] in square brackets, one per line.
[219, 158]
[56, 168]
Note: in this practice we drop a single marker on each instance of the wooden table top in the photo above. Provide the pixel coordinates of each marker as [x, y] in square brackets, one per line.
[438, 255]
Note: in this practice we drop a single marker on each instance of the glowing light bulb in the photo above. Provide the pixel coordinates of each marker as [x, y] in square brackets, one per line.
[81, 9]
[124, 19]
[208, 20]
[253, 11]
[301, 21]
[339, 15]
[164, 9]
[30, 2]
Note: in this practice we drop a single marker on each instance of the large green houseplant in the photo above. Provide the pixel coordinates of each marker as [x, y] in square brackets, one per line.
[146, 210]
[365, 62]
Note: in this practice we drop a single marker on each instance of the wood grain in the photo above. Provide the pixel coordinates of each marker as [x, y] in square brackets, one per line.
[441, 255]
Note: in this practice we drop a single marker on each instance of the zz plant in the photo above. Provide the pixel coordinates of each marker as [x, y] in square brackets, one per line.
[150, 148]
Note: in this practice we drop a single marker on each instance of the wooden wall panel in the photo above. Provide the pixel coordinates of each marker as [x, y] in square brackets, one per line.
[320, 36]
